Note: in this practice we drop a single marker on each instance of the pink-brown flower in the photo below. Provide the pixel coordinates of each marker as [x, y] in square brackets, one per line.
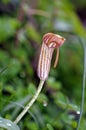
[50, 42]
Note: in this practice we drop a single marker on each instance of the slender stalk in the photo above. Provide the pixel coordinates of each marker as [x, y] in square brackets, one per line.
[27, 107]
[83, 84]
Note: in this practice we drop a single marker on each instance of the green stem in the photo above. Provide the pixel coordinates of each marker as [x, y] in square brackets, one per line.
[27, 107]
[83, 82]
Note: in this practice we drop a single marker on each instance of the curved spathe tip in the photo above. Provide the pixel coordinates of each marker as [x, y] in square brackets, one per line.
[53, 40]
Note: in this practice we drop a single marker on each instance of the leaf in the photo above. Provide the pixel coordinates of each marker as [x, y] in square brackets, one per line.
[49, 127]
[62, 101]
[42, 98]
[8, 27]
[14, 67]
[52, 83]
[32, 33]
[8, 125]
[31, 89]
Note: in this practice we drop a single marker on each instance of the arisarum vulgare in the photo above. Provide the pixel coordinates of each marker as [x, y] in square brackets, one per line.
[49, 43]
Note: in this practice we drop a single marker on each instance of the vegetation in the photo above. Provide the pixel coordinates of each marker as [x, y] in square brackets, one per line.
[22, 25]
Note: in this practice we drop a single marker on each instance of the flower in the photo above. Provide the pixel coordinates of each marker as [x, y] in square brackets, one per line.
[50, 42]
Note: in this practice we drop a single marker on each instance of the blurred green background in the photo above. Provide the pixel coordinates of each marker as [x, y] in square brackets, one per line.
[22, 26]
